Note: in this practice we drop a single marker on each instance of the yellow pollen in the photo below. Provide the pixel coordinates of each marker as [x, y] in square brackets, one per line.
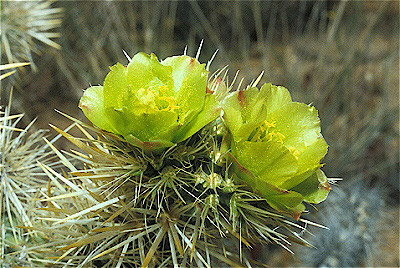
[269, 125]
[147, 98]
[294, 151]
[279, 136]
[163, 89]
[156, 100]
[260, 132]
[171, 103]
[266, 132]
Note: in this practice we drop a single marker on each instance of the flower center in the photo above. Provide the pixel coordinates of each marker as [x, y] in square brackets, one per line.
[156, 99]
[267, 132]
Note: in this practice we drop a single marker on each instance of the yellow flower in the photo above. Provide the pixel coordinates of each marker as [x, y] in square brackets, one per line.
[277, 146]
[152, 104]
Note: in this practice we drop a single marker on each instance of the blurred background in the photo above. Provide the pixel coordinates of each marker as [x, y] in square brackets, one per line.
[341, 56]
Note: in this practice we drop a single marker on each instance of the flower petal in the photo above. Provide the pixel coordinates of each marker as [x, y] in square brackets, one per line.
[92, 105]
[287, 201]
[280, 199]
[115, 87]
[298, 122]
[275, 96]
[312, 156]
[154, 146]
[315, 188]
[145, 126]
[210, 111]
[145, 71]
[269, 161]
[243, 112]
[190, 81]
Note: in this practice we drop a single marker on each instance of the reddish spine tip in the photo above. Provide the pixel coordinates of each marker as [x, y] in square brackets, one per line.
[283, 191]
[82, 106]
[296, 215]
[325, 186]
[241, 98]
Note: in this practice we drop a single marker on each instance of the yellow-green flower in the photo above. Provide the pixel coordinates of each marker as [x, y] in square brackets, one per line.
[277, 146]
[152, 104]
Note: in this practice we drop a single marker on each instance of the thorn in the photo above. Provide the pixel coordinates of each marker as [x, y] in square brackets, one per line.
[258, 79]
[234, 79]
[240, 84]
[210, 61]
[198, 50]
[127, 56]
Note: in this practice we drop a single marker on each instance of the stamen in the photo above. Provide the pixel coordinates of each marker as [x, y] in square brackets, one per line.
[294, 151]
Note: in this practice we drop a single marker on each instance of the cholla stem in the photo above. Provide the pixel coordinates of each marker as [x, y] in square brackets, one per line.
[153, 248]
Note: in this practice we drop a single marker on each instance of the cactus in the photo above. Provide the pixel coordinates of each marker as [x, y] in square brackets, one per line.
[10, 66]
[26, 24]
[353, 213]
[21, 181]
[155, 183]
